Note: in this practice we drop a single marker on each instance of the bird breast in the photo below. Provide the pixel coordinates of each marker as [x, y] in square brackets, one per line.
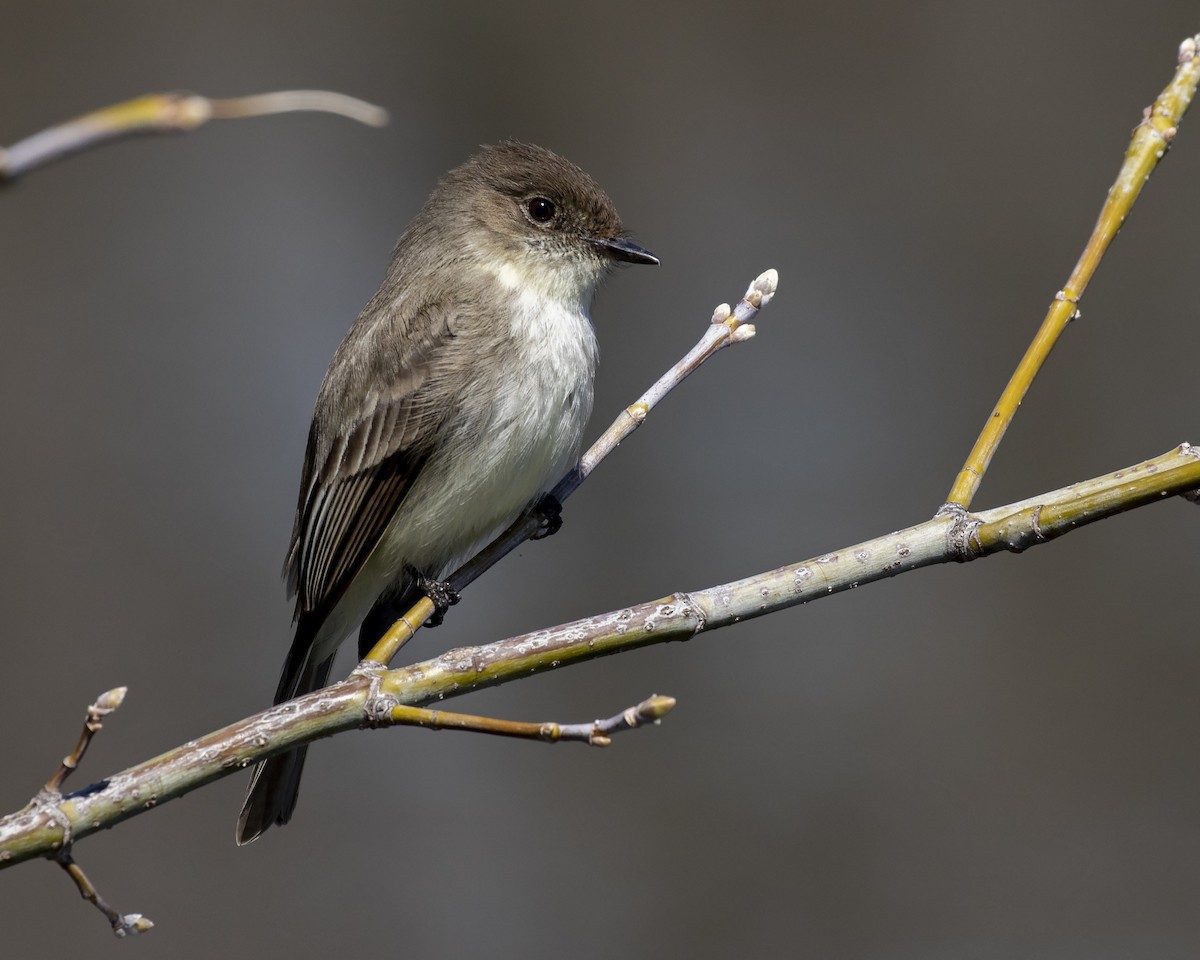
[513, 441]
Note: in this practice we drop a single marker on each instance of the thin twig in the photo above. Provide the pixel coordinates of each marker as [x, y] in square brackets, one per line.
[1151, 139]
[728, 326]
[123, 925]
[597, 733]
[168, 113]
[105, 704]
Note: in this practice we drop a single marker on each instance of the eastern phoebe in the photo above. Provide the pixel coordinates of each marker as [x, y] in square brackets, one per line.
[458, 396]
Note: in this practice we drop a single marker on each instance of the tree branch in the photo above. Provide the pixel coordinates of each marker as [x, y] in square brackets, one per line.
[371, 695]
[169, 113]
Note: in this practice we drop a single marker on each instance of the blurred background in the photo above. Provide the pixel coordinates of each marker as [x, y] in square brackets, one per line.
[990, 760]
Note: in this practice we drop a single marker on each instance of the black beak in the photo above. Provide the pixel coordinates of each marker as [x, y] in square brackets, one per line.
[621, 249]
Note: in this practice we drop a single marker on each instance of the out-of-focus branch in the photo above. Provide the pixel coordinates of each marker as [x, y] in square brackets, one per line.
[170, 113]
[371, 697]
[728, 326]
[1151, 139]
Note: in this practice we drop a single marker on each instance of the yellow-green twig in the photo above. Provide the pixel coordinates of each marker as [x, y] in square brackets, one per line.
[1150, 141]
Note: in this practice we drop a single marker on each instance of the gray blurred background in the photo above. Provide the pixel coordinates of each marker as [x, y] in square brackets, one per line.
[993, 760]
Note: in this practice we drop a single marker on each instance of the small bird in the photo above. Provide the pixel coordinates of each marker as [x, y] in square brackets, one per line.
[457, 398]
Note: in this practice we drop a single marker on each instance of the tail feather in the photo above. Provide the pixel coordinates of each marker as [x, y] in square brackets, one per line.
[275, 786]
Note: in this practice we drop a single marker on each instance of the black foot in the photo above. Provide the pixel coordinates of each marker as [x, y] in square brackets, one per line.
[549, 512]
[440, 592]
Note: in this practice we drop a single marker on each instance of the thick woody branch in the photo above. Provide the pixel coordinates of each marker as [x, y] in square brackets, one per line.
[728, 326]
[1151, 139]
[170, 113]
[370, 697]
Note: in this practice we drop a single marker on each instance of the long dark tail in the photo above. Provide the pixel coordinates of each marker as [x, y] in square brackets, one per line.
[275, 785]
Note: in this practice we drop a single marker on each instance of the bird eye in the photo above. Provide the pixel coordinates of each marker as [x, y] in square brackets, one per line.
[540, 210]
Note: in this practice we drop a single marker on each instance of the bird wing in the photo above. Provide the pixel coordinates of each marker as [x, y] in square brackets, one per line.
[371, 433]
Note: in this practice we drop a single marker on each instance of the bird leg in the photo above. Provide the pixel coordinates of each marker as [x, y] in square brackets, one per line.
[548, 510]
[439, 591]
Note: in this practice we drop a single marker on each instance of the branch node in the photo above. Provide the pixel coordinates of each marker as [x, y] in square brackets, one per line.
[377, 707]
[962, 536]
[46, 801]
[1016, 533]
[1063, 297]
[697, 612]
